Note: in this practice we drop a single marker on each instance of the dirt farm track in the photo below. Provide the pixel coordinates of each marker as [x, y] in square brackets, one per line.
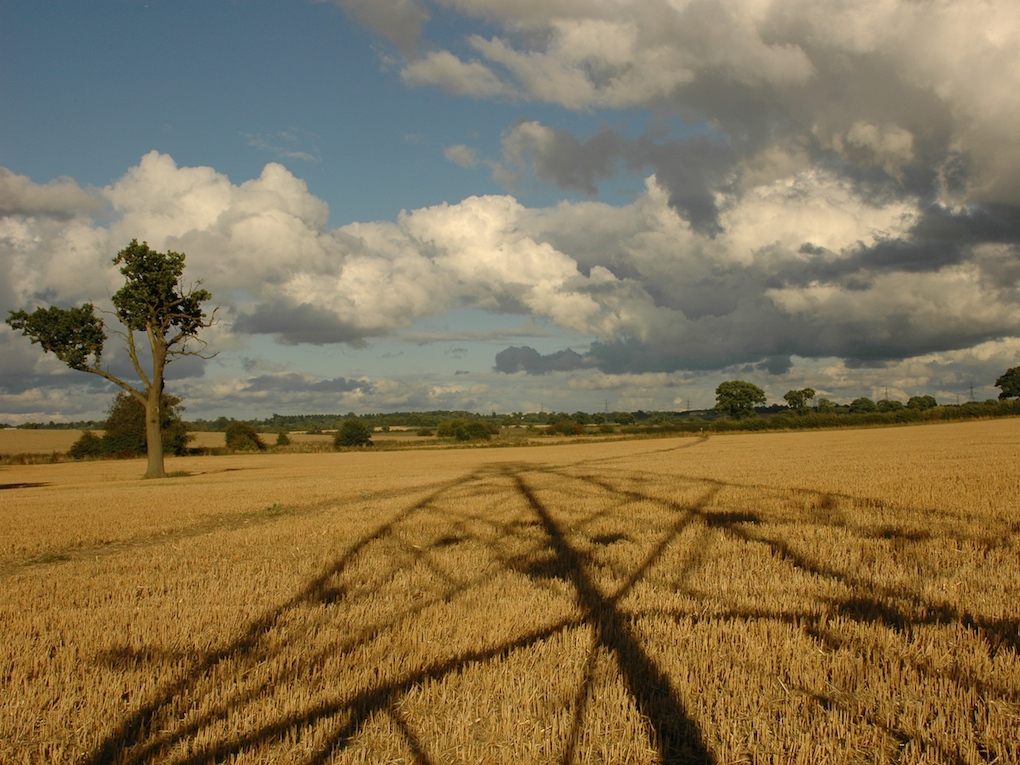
[807, 597]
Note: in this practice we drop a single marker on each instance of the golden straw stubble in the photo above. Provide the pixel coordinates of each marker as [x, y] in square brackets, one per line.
[821, 597]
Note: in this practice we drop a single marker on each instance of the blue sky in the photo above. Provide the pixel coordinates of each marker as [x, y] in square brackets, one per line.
[491, 205]
[231, 85]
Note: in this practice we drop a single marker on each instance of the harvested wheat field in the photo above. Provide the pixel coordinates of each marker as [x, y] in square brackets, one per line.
[18, 441]
[836, 597]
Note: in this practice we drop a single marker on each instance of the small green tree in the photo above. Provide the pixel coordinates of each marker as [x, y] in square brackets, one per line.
[863, 405]
[155, 303]
[1009, 382]
[242, 437]
[797, 399]
[922, 402]
[353, 432]
[736, 398]
[481, 430]
[282, 439]
[125, 429]
[89, 445]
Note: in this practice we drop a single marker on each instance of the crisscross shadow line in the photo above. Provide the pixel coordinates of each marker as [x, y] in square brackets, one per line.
[677, 735]
[998, 633]
[133, 729]
[867, 609]
[363, 705]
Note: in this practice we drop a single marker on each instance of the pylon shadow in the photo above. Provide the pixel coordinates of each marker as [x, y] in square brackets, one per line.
[676, 735]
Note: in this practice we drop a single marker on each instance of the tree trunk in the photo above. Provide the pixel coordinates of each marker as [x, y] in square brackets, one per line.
[154, 433]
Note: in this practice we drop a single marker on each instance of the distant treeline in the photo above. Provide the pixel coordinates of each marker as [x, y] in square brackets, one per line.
[771, 417]
[775, 416]
[51, 425]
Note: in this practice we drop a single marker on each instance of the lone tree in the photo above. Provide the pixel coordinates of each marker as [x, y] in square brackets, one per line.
[1009, 382]
[922, 402]
[353, 432]
[240, 436]
[737, 398]
[154, 302]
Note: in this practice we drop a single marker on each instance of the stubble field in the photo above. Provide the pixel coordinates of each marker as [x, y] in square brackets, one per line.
[828, 597]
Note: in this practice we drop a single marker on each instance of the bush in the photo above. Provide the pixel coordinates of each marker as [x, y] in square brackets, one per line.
[282, 439]
[89, 445]
[125, 426]
[242, 437]
[564, 427]
[446, 428]
[353, 432]
[482, 431]
[887, 405]
[462, 430]
[863, 405]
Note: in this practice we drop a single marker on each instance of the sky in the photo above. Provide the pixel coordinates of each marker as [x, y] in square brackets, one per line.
[520, 205]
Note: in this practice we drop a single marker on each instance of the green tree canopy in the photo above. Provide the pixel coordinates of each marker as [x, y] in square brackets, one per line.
[922, 402]
[1009, 383]
[736, 398]
[797, 399]
[863, 405]
[242, 437]
[353, 432]
[153, 302]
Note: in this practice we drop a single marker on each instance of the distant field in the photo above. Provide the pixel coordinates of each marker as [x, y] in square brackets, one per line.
[823, 597]
[17, 441]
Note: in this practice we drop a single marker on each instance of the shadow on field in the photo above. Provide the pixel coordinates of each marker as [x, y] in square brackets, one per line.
[566, 541]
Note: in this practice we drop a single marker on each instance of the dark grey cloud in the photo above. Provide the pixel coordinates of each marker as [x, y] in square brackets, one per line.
[693, 168]
[776, 365]
[628, 355]
[291, 324]
[15, 381]
[526, 359]
[296, 383]
[556, 155]
[941, 238]
[765, 339]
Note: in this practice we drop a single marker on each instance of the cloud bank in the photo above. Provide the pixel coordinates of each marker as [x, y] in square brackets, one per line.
[807, 265]
[846, 178]
[830, 185]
